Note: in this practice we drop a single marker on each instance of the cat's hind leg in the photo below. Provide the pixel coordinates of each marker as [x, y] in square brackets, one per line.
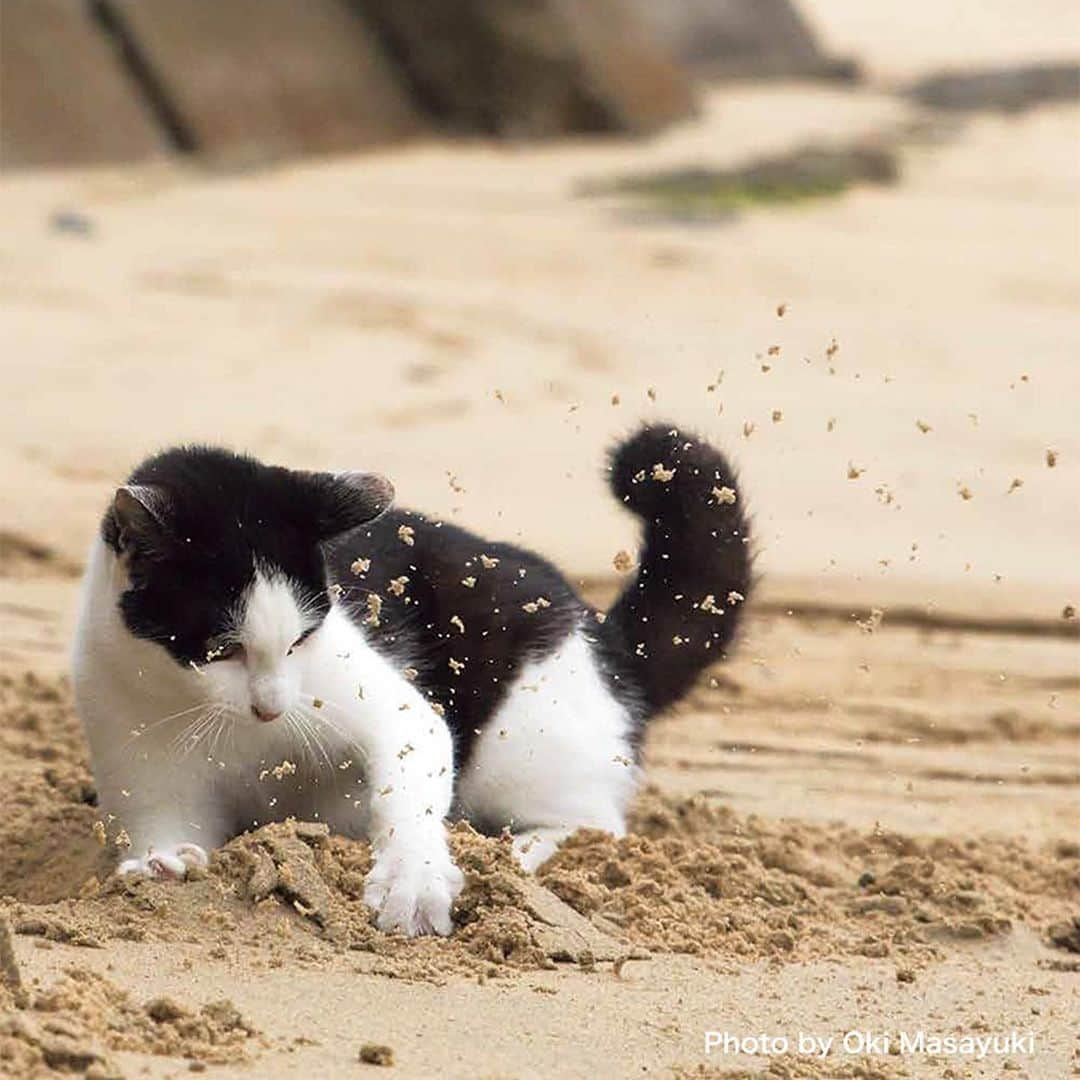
[555, 757]
[533, 847]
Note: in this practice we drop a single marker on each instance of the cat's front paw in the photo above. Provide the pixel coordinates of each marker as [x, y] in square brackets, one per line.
[167, 864]
[412, 891]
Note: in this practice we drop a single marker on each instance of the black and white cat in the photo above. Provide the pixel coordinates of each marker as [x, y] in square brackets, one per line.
[256, 643]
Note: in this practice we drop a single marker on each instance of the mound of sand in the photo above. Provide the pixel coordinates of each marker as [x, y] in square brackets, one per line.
[696, 877]
[691, 877]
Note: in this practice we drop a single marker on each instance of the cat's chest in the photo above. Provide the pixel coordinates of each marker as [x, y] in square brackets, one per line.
[301, 780]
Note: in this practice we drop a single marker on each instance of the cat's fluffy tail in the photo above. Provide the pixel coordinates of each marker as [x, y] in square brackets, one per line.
[683, 609]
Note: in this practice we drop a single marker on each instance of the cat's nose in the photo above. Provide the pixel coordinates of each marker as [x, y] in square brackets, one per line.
[265, 715]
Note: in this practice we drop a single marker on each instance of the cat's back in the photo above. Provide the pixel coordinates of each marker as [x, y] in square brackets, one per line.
[463, 613]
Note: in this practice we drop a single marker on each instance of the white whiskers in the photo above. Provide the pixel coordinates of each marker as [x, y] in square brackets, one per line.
[142, 730]
[207, 727]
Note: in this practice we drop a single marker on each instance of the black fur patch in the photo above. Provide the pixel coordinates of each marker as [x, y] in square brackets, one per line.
[217, 517]
[517, 610]
[681, 613]
[663, 631]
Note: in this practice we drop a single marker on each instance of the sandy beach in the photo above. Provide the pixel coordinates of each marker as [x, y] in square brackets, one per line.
[863, 821]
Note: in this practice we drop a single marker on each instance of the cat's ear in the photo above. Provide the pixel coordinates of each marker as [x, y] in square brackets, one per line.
[141, 512]
[350, 499]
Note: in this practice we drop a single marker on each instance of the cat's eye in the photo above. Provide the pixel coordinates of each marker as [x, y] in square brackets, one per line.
[231, 650]
[300, 640]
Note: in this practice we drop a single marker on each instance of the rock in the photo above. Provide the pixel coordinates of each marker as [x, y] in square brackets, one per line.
[251, 81]
[67, 99]
[529, 70]
[255, 80]
[740, 39]
[1003, 89]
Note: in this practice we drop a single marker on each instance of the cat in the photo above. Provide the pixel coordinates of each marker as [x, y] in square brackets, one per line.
[256, 643]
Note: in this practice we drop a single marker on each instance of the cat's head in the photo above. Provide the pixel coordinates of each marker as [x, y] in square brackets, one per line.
[224, 566]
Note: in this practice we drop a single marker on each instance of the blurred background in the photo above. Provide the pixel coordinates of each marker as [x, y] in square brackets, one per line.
[470, 242]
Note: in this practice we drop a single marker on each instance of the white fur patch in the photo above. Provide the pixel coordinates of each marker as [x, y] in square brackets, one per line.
[270, 621]
[182, 765]
[555, 757]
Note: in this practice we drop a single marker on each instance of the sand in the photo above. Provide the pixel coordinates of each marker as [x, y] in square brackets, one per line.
[781, 881]
[865, 821]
